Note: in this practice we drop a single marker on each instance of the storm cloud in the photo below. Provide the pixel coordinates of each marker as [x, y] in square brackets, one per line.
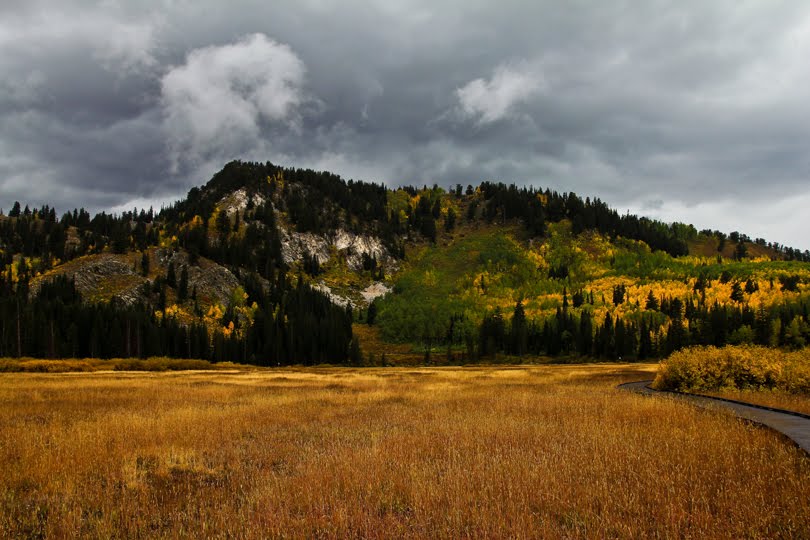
[690, 111]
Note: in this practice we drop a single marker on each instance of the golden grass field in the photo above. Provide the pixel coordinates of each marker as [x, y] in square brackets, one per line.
[768, 398]
[523, 452]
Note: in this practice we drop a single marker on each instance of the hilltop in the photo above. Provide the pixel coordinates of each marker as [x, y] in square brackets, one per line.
[271, 265]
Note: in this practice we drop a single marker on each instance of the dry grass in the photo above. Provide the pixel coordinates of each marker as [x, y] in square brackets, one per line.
[36, 365]
[769, 398]
[528, 452]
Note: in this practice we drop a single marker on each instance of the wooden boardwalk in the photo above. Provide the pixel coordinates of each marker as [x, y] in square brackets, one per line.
[795, 426]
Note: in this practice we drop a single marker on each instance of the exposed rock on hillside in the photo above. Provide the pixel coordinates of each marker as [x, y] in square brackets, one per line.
[349, 245]
[214, 282]
[101, 277]
[238, 201]
[335, 298]
[374, 291]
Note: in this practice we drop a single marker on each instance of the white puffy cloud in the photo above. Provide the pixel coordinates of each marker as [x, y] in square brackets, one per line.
[489, 101]
[219, 101]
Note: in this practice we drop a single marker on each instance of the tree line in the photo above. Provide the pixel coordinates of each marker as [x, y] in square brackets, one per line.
[665, 325]
[293, 324]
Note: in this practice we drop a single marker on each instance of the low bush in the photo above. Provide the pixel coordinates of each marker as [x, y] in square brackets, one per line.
[32, 365]
[735, 367]
[160, 364]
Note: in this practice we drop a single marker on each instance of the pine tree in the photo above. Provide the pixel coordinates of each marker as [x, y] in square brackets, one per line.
[171, 277]
[371, 316]
[145, 263]
[618, 294]
[519, 330]
[737, 292]
[652, 302]
[182, 287]
[450, 220]
[645, 348]
[577, 299]
[585, 334]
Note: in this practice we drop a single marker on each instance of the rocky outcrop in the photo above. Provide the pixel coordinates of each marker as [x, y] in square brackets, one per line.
[335, 298]
[374, 291]
[101, 277]
[213, 282]
[238, 201]
[348, 245]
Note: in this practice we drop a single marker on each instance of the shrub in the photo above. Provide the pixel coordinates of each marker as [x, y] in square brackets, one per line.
[28, 365]
[735, 367]
[31, 365]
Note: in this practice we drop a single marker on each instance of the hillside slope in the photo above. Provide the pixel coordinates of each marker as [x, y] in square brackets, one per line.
[262, 259]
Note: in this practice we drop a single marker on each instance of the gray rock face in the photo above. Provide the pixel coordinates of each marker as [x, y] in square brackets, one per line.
[210, 279]
[102, 273]
[348, 245]
[374, 291]
[335, 298]
[237, 201]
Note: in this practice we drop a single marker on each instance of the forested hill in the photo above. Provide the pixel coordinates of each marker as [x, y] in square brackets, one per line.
[272, 265]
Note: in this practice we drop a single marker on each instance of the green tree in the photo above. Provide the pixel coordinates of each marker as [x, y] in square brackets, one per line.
[743, 334]
[223, 223]
[371, 316]
[618, 294]
[171, 276]
[794, 333]
[450, 220]
[182, 286]
[519, 332]
[737, 292]
[652, 302]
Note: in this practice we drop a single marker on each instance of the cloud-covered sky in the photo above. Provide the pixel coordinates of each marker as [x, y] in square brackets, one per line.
[696, 111]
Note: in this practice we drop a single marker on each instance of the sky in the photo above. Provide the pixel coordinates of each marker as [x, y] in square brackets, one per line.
[692, 111]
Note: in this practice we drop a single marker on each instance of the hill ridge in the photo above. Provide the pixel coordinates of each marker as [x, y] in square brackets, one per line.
[462, 262]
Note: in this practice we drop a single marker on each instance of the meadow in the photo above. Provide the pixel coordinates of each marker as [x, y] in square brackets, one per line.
[519, 452]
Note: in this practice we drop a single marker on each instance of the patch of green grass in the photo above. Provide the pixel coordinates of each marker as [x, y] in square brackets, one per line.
[482, 270]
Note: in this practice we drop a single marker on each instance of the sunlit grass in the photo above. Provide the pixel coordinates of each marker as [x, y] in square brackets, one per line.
[525, 452]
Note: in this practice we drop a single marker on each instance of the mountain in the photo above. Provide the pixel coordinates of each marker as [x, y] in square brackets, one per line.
[273, 265]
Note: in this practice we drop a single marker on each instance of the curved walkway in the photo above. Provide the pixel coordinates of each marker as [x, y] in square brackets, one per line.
[795, 426]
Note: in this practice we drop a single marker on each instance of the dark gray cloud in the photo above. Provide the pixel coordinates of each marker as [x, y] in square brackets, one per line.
[696, 111]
